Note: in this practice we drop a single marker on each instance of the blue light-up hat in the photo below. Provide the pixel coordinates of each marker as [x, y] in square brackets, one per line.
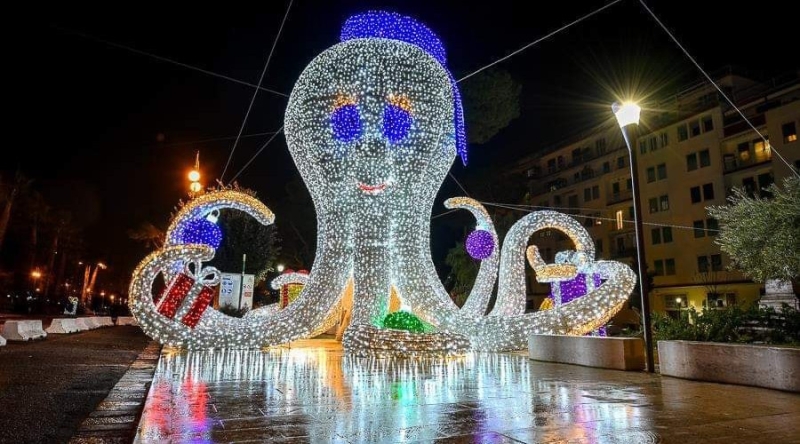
[393, 26]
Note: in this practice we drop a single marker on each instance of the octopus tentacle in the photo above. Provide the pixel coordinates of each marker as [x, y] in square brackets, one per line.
[478, 300]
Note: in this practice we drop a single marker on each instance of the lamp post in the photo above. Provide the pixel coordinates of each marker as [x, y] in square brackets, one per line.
[627, 115]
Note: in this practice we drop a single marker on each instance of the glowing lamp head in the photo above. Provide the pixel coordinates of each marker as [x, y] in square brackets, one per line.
[627, 113]
[195, 187]
[194, 175]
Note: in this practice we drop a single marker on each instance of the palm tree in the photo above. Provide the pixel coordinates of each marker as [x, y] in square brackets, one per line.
[149, 234]
[20, 184]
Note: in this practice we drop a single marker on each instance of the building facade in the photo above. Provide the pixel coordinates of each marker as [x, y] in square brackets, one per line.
[690, 154]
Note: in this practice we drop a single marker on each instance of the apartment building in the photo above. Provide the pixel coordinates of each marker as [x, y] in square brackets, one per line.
[691, 153]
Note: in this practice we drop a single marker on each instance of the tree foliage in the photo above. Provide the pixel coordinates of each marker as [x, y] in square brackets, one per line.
[242, 234]
[463, 269]
[148, 234]
[491, 102]
[762, 236]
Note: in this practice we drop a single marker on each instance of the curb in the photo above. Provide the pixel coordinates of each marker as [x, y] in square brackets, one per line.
[116, 418]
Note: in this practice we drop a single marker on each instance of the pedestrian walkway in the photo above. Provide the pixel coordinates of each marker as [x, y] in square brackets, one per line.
[312, 392]
[48, 387]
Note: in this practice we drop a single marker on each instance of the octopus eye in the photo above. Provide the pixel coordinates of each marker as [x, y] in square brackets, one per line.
[345, 119]
[396, 118]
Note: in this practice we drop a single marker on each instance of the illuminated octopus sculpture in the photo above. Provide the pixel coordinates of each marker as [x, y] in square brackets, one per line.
[374, 124]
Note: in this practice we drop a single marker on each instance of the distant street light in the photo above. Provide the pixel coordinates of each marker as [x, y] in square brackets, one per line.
[194, 175]
[627, 115]
[279, 268]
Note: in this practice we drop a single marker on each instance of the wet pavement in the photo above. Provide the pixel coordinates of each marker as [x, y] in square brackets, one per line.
[48, 386]
[312, 392]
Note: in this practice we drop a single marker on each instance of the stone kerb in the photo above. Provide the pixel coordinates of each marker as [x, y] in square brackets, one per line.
[755, 365]
[126, 320]
[62, 326]
[23, 330]
[592, 351]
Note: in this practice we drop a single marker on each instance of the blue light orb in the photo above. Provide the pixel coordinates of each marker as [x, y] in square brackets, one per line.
[201, 231]
[346, 123]
[480, 244]
[396, 123]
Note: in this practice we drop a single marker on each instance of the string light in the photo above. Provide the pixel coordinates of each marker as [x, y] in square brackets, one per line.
[201, 231]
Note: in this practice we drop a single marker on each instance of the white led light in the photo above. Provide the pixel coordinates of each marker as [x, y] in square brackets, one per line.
[373, 186]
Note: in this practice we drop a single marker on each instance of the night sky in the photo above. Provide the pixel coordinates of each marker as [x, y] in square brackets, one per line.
[102, 111]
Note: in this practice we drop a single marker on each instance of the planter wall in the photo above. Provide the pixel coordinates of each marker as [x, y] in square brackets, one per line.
[755, 365]
[591, 351]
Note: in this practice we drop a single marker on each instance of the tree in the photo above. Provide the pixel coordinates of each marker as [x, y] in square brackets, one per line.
[242, 234]
[491, 102]
[20, 184]
[149, 234]
[761, 235]
[463, 269]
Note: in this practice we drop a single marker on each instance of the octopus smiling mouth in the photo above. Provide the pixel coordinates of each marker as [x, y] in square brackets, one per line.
[372, 189]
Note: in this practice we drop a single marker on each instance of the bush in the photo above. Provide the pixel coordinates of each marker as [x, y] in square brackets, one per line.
[755, 325]
[229, 310]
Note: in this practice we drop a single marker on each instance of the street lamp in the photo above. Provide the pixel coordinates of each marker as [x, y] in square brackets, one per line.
[627, 115]
[280, 268]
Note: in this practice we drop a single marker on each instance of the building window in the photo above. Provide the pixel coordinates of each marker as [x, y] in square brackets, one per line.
[664, 202]
[556, 200]
[651, 174]
[587, 194]
[655, 234]
[642, 147]
[659, 266]
[653, 205]
[560, 162]
[664, 140]
[705, 158]
[716, 262]
[708, 191]
[572, 201]
[576, 177]
[708, 124]
[629, 184]
[661, 171]
[702, 264]
[744, 151]
[606, 167]
[765, 181]
[619, 219]
[630, 213]
[712, 227]
[661, 235]
[699, 228]
[691, 162]
[683, 133]
[696, 197]
[694, 128]
[669, 267]
[600, 146]
[620, 162]
[551, 166]
[762, 150]
[653, 143]
[789, 132]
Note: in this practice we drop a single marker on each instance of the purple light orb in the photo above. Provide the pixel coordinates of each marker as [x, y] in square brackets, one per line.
[480, 244]
[201, 231]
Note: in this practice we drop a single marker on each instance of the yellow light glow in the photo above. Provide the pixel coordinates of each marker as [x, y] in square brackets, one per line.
[194, 175]
[36, 274]
[195, 187]
[627, 113]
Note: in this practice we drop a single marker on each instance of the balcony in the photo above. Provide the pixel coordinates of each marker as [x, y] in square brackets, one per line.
[620, 196]
[731, 162]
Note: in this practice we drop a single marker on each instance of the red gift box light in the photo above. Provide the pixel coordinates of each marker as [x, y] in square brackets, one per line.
[177, 293]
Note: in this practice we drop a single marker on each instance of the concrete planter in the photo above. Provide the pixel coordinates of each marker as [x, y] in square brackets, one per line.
[755, 365]
[592, 351]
